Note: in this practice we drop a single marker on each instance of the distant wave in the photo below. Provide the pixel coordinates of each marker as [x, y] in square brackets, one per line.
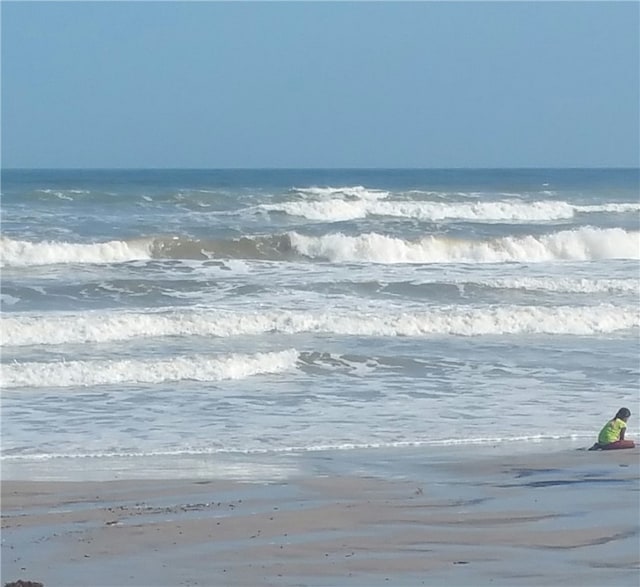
[352, 192]
[582, 244]
[340, 210]
[560, 285]
[341, 203]
[20, 330]
[198, 197]
[193, 368]
[69, 195]
[621, 207]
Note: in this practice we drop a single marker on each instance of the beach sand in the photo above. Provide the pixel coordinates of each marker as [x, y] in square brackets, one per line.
[367, 518]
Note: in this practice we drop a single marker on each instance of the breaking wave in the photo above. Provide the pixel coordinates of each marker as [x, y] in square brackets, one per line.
[352, 192]
[16, 253]
[340, 210]
[19, 253]
[583, 244]
[109, 372]
[561, 285]
[100, 327]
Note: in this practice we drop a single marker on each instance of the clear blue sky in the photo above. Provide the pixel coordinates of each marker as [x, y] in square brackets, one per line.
[319, 84]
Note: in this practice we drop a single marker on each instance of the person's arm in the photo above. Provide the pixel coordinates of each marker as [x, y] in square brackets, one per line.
[622, 433]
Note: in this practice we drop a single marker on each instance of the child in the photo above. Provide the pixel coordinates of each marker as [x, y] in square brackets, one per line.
[612, 435]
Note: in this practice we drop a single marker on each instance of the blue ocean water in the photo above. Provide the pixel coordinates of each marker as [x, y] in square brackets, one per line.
[149, 316]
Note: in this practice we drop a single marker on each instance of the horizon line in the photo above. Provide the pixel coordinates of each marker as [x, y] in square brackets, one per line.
[453, 168]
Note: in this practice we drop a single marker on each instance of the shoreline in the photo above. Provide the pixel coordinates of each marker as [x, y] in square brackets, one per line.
[365, 519]
[268, 465]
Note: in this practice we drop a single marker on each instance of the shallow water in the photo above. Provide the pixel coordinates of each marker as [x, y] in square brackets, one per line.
[151, 315]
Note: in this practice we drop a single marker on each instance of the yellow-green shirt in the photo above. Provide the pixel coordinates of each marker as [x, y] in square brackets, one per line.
[611, 431]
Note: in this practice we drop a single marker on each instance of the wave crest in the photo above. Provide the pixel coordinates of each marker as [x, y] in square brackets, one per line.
[18, 253]
[339, 210]
[192, 368]
[584, 244]
[23, 330]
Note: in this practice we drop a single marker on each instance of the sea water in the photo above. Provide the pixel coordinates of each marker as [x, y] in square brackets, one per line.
[175, 319]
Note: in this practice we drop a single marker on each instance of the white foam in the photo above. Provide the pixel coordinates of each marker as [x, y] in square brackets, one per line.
[583, 244]
[354, 192]
[64, 194]
[336, 209]
[615, 207]
[21, 330]
[17, 253]
[194, 368]
[342, 204]
[8, 300]
[299, 448]
[327, 211]
[564, 285]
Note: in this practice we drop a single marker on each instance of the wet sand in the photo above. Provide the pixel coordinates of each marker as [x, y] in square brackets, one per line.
[372, 518]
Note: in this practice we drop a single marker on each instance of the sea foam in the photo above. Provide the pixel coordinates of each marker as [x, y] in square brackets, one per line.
[337, 210]
[18, 253]
[52, 329]
[354, 192]
[109, 372]
[583, 244]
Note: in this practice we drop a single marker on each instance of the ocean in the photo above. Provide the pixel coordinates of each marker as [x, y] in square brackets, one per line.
[197, 322]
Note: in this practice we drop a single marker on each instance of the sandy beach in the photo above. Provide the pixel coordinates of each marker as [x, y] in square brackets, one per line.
[398, 518]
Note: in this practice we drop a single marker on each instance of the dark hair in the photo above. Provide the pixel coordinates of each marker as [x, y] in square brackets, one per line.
[623, 413]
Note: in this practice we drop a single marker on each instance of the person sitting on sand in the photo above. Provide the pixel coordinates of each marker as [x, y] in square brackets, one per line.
[611, 436]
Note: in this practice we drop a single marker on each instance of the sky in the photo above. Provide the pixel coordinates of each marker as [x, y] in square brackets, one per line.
[320, 84]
